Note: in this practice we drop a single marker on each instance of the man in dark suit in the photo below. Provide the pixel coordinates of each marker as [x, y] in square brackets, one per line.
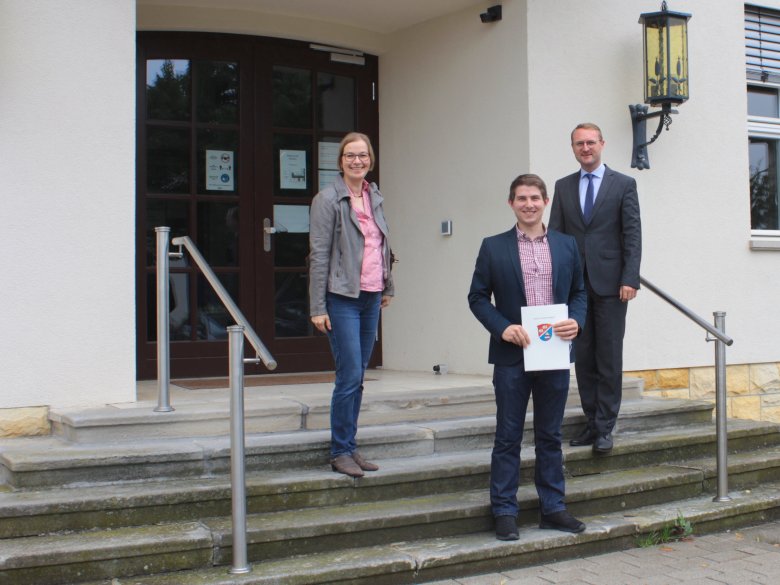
[528, 265]
[600, 208]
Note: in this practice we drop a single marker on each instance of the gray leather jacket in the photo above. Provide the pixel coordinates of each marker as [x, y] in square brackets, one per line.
[336, 245]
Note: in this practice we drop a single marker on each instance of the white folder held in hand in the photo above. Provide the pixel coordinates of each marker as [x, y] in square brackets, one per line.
[546, 351]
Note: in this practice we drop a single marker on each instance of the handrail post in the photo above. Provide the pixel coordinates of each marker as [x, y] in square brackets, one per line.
[237, 464]
[163, 322]
[721, 410]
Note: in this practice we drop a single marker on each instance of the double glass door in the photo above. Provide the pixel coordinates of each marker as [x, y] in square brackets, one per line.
[235, 136]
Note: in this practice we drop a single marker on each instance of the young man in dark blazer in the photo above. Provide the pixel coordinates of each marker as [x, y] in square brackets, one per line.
[528, 265]
[600, 208]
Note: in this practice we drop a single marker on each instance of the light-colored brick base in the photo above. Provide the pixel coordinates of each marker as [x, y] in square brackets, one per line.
[24, 422]
[753, 390]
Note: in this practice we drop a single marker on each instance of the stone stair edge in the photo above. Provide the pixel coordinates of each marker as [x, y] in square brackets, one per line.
[283, 437]
[474, 501]
[413, 561]
[638, 408]
[108, 497]
[53, 455]
[55, 549]
[205, 410]
[302, 524]
[764, 459]
[213, 420]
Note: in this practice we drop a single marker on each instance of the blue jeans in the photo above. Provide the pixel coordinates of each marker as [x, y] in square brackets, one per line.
[513, 386]
[354, 325]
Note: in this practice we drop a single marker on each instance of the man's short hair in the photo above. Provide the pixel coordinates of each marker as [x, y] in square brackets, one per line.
[528, 180]
[586, 126]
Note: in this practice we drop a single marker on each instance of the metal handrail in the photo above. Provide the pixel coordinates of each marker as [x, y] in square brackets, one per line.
[163, 326]
[236, 334]
[260, 349]
[237, 450]
[686, 311]
[718, 331]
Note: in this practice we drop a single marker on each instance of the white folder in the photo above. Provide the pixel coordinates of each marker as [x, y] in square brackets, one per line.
[546, 351]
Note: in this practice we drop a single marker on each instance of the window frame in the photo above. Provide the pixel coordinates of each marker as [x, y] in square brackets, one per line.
[762, 70]
[768, 128]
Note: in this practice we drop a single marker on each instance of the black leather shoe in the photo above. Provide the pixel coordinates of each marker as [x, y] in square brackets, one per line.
[506, 528]
[586, 437]
[561, 521]
[603, 443]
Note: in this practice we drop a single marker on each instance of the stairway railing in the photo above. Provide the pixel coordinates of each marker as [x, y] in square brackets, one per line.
[718, 332]
[163, 309]
[236, 334]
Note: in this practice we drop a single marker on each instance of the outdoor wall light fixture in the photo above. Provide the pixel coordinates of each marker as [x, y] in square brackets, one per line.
[493, 14]
[665, 36]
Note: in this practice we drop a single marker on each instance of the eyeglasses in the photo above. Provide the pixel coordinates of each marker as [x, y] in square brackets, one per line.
[351, 156]
[588, 143]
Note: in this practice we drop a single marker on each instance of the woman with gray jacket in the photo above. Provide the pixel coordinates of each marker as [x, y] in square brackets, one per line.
[349, 282]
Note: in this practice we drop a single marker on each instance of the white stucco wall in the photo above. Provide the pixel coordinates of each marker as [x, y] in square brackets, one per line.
[67, 147]
[453, 114]
[464, 107]
[585, 65]
[694, 199]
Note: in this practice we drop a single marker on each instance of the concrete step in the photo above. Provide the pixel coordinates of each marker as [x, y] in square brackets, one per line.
[57, 535]
[50, 461]
[134, 503]
[308, 531]
[76, 557]
[149, 506]
[431, 558]
[296, 532]
[264, 414]
[274, 409]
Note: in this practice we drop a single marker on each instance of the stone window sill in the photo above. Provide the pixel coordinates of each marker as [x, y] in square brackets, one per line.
[765, 244]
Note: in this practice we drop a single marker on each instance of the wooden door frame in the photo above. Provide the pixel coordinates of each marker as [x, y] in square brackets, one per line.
[209, 358]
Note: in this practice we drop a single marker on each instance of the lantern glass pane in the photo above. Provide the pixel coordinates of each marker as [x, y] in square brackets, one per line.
[666, 60]
[655, 57]
[678, 59]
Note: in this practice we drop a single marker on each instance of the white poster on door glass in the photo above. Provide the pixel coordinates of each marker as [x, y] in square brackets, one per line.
[327, 178]
[329, 155]
[292, 169]
[220, 167]
[292, 219]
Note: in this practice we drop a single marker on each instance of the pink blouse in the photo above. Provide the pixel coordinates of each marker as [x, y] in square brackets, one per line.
[372, 271]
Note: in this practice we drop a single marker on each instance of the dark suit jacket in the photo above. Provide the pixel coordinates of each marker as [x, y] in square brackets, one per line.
[611, 244]
[498, 273]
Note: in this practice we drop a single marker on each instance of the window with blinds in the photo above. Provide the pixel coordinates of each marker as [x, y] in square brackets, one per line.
[762, 53]
[762, 44]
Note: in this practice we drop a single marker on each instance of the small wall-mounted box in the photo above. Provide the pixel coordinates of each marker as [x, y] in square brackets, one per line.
[446, 228]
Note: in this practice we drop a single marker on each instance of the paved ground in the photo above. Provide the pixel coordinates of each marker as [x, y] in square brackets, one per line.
[740, 557]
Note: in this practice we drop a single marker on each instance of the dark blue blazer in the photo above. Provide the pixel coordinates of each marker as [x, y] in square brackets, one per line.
[497, 274]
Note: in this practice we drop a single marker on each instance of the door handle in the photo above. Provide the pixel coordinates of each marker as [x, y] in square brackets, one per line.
[268, 230]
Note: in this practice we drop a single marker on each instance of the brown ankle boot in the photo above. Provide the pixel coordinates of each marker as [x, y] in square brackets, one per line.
[346, 465]
[363, 464]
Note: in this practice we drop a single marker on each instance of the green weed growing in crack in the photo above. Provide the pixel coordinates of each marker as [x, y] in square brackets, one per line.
[677, 530]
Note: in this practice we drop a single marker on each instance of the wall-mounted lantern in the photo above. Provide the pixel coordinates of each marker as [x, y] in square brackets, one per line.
[665, 36]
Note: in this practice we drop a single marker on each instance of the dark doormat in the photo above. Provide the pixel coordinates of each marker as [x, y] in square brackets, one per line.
[266, 380]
